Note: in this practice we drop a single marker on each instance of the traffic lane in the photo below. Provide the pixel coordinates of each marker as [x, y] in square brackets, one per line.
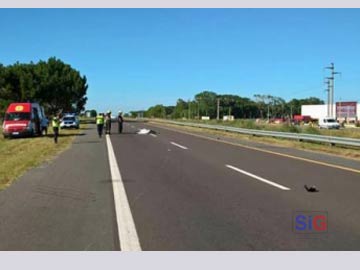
[295, 173]
[338, 188]
[306, 154]
[66, 204]
[182, 203]
[173, 207]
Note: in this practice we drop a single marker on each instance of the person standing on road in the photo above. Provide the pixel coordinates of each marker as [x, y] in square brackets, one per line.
[108, 122]
[55, 126]
[120, 122]
[44, 125]
[100, 123]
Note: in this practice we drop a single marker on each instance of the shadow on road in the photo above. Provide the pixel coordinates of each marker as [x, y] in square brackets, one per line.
[66, 135]
[125, 133]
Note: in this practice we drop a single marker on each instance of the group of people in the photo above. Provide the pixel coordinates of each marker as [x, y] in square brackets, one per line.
[102, 120]
[105, 120]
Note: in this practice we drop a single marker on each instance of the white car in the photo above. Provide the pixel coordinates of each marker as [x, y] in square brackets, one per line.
[328, 123]
[70, 122]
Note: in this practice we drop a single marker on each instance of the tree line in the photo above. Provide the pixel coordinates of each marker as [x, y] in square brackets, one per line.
[205, 104]
[54, 84]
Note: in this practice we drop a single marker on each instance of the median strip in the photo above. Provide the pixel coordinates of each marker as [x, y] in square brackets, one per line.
[258, 178]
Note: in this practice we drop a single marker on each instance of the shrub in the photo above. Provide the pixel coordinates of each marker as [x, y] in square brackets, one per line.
[312, 130]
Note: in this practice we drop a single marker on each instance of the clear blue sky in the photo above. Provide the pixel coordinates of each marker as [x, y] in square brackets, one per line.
[135, 58]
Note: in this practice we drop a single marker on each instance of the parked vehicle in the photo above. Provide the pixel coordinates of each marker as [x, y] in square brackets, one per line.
[23, 119]
[328, 123]
[70, 121]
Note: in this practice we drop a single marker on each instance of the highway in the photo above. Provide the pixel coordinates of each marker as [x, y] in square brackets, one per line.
[181, 192]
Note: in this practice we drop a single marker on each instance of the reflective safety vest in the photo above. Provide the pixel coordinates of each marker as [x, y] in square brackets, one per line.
[99, 120]
[55, 122]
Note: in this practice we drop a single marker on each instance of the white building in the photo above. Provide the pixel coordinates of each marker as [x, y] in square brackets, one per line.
[341, 111]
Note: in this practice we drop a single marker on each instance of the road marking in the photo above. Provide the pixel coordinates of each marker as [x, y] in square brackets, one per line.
[178, 145]
[258, 178]
[265, 151]
[154, 135]
[128, 237]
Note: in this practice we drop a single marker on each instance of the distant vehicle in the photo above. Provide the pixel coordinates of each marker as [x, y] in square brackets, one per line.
[70, 121]
[328, 123]
[69, 114]
[297, 118]
[23, 119]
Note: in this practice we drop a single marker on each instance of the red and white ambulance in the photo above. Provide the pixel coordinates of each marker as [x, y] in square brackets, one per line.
[23, 119]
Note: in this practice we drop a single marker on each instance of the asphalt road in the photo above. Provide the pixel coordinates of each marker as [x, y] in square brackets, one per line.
[66, 204]
[188, 199]
[184, 193]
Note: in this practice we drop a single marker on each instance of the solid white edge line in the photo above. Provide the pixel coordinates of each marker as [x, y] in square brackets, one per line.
[258, 177]
[154, 135]
[128, 237]
[178, 145]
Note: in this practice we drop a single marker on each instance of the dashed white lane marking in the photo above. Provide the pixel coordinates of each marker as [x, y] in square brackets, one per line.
[154, 135]
[178, 145]
[128, 237]
[258, 178]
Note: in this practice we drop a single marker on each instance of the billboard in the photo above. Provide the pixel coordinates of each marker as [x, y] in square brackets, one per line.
[346, 109]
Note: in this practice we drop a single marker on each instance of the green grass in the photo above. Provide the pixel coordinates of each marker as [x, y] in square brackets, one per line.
[19, 155]
[251, 124]
[87, 120]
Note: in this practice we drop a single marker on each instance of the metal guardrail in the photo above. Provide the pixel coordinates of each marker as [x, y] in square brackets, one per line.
[287, 135]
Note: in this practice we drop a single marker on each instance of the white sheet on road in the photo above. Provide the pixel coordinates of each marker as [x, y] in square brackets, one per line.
[144, 131]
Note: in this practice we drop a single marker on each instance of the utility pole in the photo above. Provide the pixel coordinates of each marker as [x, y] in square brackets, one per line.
[218, 109]
[328, 83]
[198, 113]
[188, 108]
[332, 82]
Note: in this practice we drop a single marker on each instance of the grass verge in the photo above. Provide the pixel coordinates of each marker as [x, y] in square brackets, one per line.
[20, 154]
[251, 124]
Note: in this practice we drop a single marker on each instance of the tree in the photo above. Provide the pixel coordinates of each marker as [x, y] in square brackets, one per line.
[294, 105]
[180, 109]
[263, 102]
[62, 87]
[207, 103]
[93, 113]
[228, 102]
[56, 85]
[157, 111]
[169, 111]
